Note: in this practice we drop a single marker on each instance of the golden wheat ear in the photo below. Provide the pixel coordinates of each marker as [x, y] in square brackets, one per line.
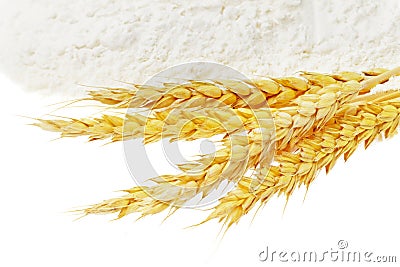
[276, 91]
[316, 118]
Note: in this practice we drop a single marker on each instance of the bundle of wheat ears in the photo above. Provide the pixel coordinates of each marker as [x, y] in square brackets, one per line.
[306, 122]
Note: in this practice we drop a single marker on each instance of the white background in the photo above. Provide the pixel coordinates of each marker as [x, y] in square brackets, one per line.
[42, 179]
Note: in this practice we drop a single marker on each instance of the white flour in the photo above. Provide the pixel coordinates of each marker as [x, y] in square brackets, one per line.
[55, 45]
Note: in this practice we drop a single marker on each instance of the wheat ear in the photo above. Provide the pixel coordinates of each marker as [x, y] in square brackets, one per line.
[277, 91]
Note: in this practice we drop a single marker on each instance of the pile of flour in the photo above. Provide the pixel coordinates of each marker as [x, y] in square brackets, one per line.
[55, 45]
